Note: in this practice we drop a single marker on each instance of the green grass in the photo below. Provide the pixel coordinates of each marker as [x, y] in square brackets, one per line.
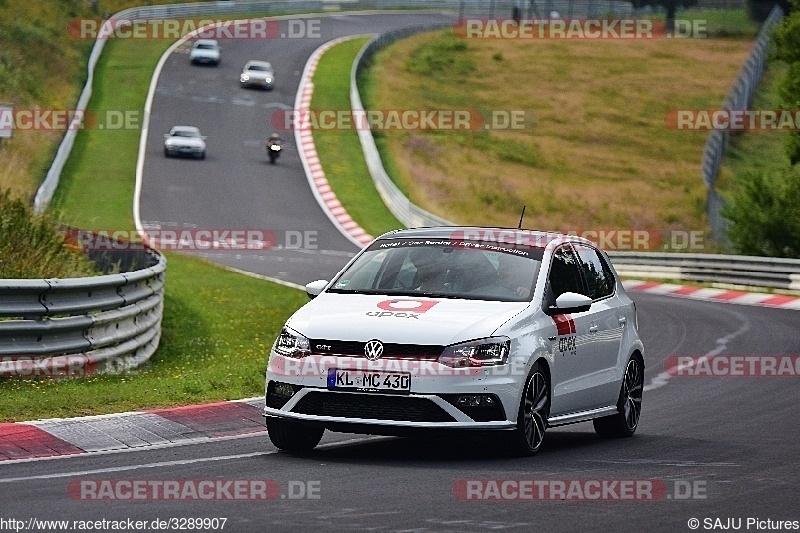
[340, 151]
[96, 186]
[217, 330]
[734, 23]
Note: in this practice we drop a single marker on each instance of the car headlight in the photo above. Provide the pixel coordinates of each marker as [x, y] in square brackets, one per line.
[292, 344]
[268, 80]
[244, 77]
[480, 352]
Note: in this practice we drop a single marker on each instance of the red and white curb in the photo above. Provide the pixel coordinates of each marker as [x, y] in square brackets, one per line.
[714, 295]
[326, 198]
[25, 441]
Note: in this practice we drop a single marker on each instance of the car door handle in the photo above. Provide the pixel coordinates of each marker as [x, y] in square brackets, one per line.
[593, 329]
[623, 320]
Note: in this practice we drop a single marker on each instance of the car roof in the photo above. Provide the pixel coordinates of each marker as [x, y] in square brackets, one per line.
[185, 128]
[540, 239]
[255, 63]
[206, 41]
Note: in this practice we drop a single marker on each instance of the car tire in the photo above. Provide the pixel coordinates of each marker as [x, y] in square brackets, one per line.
[293, 437]
[534, 409]
[202, 155]
[166, 153]
[629, 405]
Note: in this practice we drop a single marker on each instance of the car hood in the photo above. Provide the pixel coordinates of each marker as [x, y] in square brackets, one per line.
[432, 321]
[259, 74]
[204, 53]
[186, 141]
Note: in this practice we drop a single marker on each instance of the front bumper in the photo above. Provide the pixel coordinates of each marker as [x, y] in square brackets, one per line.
[205, 59]
[436, 399]
[255, 82]
[184, 150]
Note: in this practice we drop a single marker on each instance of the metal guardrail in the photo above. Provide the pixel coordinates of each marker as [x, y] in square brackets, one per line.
[711, 268]
[81, 326]
[738, 98]
[401, 207]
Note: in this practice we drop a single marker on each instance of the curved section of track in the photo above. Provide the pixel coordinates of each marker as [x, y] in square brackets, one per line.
[235, 187]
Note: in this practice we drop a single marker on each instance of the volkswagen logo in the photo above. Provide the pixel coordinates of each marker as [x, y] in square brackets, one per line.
[373, 350]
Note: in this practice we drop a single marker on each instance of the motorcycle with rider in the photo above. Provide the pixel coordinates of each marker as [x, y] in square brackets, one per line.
[274, 147]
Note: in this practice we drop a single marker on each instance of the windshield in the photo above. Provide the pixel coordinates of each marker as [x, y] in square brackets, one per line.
[185, 133]
[259, 68]
[206, 47]
[440, 268]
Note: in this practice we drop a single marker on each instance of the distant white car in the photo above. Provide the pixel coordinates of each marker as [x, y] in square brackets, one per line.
[205, 51]
[259, 74]
[185, 141]
[460, 329]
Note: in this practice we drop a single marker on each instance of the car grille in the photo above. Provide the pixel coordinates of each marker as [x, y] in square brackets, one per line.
[377, 407]
[390, 350]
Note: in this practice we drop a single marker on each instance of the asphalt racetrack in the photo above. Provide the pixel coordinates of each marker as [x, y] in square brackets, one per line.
[707, 448]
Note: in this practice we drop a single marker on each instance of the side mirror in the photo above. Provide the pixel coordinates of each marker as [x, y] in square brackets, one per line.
[315, 287]
[570, 302]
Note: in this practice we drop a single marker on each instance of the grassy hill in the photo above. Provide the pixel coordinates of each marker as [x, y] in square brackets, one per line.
[594, 150]
[42, 66]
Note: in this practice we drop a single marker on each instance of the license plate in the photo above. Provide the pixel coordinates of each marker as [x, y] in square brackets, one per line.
[368, 380]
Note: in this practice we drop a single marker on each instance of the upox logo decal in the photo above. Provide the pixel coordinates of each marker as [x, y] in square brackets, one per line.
[402, 308]
[414, 306]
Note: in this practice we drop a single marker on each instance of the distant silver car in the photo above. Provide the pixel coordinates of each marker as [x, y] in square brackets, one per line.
[205, 51]
[185, 141]
[257, 73]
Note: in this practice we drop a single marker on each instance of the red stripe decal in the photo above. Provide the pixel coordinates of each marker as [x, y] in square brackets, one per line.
[564, 324]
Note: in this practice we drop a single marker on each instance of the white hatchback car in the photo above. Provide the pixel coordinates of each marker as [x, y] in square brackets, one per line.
[257, 74]
[185, 141]
[205, 51]
[460, 329]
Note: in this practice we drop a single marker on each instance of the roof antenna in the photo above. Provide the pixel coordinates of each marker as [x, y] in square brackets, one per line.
[521, 216]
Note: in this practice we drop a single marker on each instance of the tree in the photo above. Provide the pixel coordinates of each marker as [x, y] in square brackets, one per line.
[787, 48]
[759, 9]
[671, 6]
[764, 214]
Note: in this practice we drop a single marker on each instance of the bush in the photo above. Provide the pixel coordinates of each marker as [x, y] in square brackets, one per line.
[787, 48]
[764, 214]
[32, 246]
